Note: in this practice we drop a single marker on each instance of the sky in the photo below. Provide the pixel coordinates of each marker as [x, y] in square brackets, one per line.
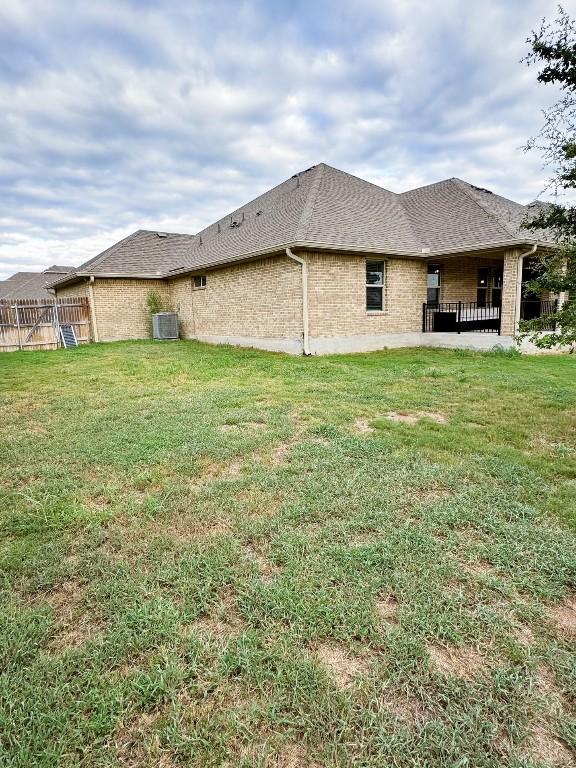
[167, 114]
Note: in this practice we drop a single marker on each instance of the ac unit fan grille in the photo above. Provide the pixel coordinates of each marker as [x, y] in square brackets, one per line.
[165, 325]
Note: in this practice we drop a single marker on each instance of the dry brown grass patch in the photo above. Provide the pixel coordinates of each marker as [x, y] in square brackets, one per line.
[523, 635]
[281, 451]
[401, 705]
[136, 745]
[563, 616]
[479, 569]
[342, 666]
[406, 417]
[267, 569]
[250, 425]
[547, 748]
[129, 537]
[223, 621]
[387, 609]
[467, 663]
[75, 624]
[362, 427]
[292, 756]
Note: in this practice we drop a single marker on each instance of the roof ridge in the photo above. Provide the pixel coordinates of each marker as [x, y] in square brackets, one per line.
[308, 211]
[95, 260]
[463, 185]
[359, 178]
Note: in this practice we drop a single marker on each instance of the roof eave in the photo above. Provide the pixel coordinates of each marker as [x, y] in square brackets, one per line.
[345, 248]
[78, 277]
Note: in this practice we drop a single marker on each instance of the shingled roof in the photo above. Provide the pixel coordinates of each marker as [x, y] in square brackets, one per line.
[32, 285]
[324, 207]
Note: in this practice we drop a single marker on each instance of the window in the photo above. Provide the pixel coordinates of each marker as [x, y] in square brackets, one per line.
[483, 285]
[489, 288]
[433, 284]
[199, 281]
[497, 279]
[374, 286]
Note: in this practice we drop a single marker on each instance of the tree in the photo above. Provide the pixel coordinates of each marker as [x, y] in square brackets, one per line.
[553, 48]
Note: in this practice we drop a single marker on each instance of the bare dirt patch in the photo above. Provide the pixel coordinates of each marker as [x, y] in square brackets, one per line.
[250, 425]
[128, 538]
[563, 616]
[547, 748]
[361, 427]
[223, 620]
[291, 755]
[523, 636]
[267, 569]
[467, 663]
[401, 705]
[406, 417]
[75, 623]
[137, 745]
[387, 609]
[480, 568]
[280, 453]
[342, 666]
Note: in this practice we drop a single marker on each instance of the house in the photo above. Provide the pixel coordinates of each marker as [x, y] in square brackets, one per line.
[32, 285]
[327, 262]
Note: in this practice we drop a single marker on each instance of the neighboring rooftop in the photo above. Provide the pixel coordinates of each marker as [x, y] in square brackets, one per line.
[32, 285]
[325, 207]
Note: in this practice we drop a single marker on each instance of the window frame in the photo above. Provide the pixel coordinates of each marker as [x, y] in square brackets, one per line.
[203, 281]
[381, 285]
[434, 269]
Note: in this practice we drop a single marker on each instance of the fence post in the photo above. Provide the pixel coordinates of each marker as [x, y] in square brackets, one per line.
[56, 324]
[424, 317]
[459, 316]
[18, 326]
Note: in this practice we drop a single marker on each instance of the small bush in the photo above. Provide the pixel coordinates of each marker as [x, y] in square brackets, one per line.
[154, 304]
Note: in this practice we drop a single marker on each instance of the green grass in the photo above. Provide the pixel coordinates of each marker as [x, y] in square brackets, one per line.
[223, 557]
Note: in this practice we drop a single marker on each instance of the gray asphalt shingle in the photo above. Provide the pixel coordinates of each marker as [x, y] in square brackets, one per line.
[326, 206]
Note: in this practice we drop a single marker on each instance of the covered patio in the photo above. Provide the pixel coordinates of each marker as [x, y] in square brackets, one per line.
[481, 294]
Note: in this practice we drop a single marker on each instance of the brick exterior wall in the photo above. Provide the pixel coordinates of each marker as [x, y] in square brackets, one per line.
[72, 291]
[459, 277]
[260, 299]
[337, 296]
[509, 293]
[263, 299]
[120, 305]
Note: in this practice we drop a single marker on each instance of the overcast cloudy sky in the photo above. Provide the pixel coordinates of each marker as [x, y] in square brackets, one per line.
[166, 114]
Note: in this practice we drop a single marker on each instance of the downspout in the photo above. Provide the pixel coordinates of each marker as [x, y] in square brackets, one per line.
[92, 307]
[520, 268]
[304, 265]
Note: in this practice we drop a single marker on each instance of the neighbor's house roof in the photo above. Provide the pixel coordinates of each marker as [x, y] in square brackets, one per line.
[325, 208]
[32, 285]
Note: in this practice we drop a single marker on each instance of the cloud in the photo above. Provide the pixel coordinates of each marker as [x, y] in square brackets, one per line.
[124, 115]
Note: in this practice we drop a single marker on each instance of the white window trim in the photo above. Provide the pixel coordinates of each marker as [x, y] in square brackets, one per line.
[199, 287]
[376, 285]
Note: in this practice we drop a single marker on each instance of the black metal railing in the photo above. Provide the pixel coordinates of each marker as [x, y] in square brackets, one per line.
[530, 309]
[460, 317]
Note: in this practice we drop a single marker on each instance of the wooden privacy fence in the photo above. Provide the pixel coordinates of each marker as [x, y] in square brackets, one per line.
[35, 323]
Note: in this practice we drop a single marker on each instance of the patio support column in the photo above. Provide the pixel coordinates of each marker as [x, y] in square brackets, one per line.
[512, 277]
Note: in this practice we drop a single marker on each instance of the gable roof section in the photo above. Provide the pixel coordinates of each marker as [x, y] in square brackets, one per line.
[142, 252]
[26, 285]
[325, 207]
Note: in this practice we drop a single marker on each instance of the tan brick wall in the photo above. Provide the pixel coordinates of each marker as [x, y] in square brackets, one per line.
[120, 307]
[459, 278]
[337, 296]
[260, 299]
[72, 291]
[509, 293]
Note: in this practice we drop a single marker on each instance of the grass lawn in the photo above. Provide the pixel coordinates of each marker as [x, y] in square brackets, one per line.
[222, 557]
